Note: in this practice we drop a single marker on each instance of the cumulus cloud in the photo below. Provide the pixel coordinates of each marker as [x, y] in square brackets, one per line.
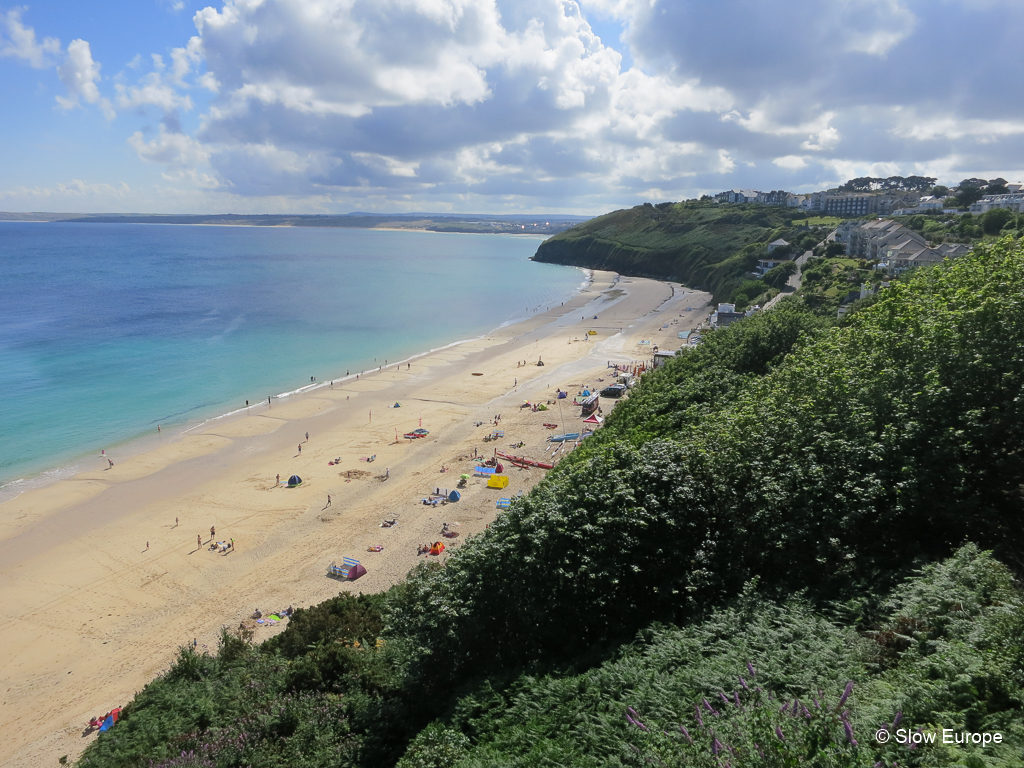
[173, 149]
[518, 103]
[20, 42]
[80, 74]
[438, 97]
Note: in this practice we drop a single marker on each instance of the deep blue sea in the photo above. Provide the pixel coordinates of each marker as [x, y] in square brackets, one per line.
[107, 330]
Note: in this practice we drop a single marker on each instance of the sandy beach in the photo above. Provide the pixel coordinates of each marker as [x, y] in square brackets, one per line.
[102, 574]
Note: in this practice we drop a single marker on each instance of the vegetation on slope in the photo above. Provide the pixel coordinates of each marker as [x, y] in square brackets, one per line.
[758, 499]
[698, 243]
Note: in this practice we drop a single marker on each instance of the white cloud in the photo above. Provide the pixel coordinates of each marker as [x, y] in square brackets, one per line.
[175, 150]
[21, 43]
[152, 91]
[74, 189]
[431, 103]
[790, 162]
[80, 73]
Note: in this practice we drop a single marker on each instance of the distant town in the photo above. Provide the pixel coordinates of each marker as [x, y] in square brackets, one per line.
[892, 196]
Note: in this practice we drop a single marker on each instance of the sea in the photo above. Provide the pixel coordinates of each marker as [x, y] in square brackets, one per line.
[108, 330]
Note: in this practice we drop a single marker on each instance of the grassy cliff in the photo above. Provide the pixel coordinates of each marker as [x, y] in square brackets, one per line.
[698, 243]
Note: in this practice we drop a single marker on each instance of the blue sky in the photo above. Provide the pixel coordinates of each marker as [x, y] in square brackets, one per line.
[322, 106]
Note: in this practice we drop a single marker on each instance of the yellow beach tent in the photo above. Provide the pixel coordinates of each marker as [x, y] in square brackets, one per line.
[497, 481]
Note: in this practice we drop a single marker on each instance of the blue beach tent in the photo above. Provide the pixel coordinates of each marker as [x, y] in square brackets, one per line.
[294, 481]
[454, 496]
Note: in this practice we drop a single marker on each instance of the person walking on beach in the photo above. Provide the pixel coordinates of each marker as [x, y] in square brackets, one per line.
[213, 531]
[199, 541]
[279, 479]
[387, 473]
[307, 437]
[157, 427]
[147, 545]
[175, 522]
[328, 501]
[110, 463]
[300, 447]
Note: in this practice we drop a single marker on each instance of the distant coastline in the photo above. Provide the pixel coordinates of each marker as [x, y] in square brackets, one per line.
[536, 224]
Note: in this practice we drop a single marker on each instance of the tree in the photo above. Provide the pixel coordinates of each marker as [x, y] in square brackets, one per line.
[997, 187]
[777, 276]
[995, 220]
[939, 191]
[834, 249]
[971, 191]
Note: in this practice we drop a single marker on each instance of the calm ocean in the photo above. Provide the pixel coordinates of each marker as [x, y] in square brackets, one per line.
[107, 330]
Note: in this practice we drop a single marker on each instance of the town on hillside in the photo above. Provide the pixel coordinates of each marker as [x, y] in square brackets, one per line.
[883, 228]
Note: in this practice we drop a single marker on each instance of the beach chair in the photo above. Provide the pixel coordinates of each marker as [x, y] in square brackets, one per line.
[504, 503]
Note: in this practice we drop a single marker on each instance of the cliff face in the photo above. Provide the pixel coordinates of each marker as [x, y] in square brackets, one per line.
[702, 244]
[596, 253]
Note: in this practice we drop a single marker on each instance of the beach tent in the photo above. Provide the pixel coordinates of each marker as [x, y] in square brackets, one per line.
[498, 467]
[484, 470]
[497, 481]
[437, 549]
[356, 571]
[594, 419]
[350, 569]
[294, 480]
[454, 496]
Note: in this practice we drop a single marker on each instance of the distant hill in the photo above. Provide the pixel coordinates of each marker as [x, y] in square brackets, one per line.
[699, 243]
[517, 224]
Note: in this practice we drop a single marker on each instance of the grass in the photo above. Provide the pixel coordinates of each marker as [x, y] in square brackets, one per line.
[818, 221]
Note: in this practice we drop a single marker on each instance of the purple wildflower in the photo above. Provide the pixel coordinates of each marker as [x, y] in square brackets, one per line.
[846, 694]
[724, 698]
[710, 709]
[784, 708]
[736, 698]
[759, 750]
[751, 670]
[778, 732]
[686, 733]
[896, 722]
[700, 721]
[716, 747]
[816, 704]
[634, 719]
[744, 684]
[849, 732]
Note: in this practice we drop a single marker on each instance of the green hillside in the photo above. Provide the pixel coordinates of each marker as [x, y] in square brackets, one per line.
[699, 243]
[784, 540]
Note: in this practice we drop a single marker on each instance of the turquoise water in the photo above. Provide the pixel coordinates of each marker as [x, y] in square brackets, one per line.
[108, 330]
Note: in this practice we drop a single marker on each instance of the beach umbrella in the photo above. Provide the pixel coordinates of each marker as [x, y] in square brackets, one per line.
[464, 476]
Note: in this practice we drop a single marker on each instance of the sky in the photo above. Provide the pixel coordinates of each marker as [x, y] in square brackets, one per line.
[495, 106]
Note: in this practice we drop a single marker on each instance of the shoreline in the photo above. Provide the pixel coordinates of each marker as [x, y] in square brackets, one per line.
[145, 441]
[132, 586]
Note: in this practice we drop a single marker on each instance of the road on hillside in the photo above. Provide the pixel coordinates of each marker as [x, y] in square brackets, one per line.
[793, 284]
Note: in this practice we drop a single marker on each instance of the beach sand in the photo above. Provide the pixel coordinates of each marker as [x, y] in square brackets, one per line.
[93, 614]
